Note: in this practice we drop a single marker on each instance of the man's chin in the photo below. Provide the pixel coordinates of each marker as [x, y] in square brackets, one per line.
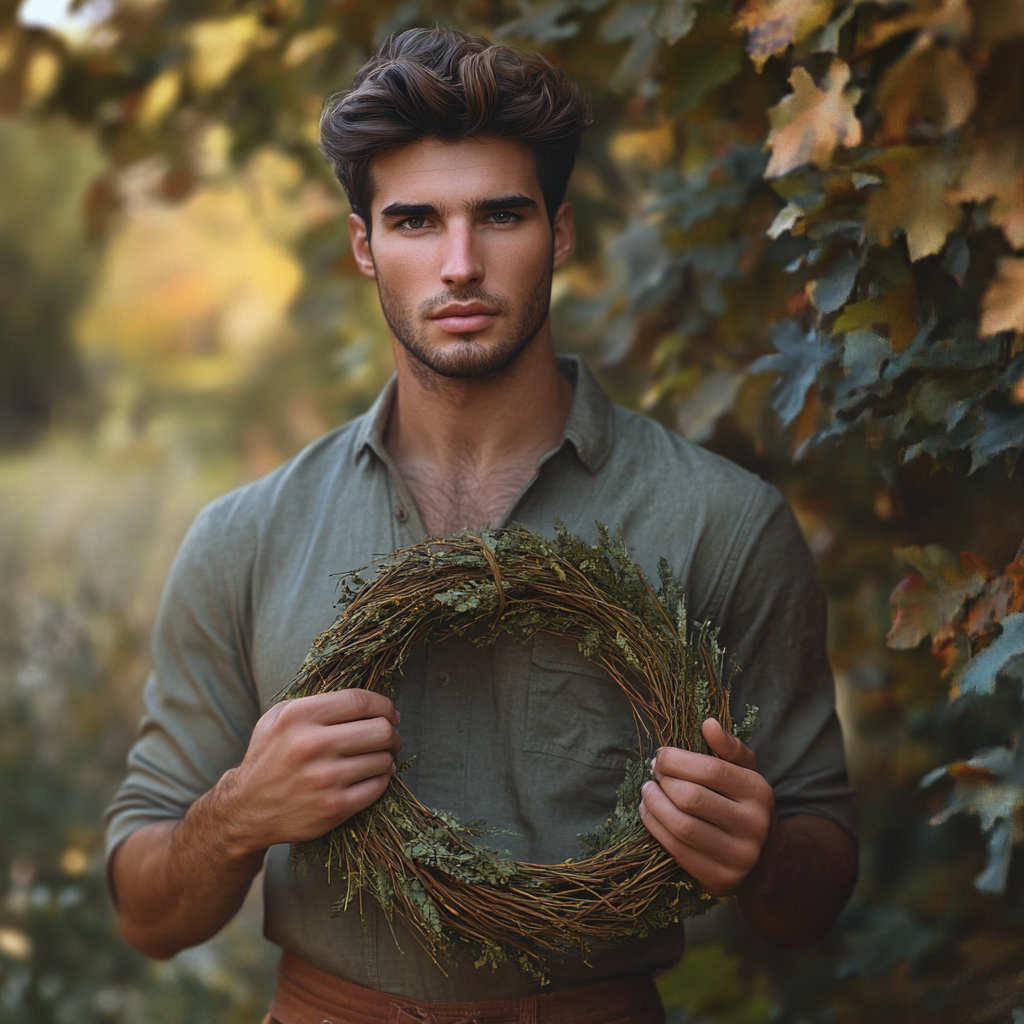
[467, 358]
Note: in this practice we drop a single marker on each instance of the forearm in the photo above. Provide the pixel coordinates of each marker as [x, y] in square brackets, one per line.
[807, 871]
[177, 883]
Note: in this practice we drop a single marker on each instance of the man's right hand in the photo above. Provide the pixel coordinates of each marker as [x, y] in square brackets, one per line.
[311, 764]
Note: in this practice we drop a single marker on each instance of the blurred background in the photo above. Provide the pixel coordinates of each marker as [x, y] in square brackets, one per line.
[801, 225]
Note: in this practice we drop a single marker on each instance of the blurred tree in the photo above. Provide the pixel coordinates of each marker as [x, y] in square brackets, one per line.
[802, 225]
[44, 269]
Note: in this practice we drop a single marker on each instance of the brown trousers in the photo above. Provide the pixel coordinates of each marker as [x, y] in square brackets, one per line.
[306, 995]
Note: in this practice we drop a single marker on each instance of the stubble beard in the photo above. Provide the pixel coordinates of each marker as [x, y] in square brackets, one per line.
[468, 358]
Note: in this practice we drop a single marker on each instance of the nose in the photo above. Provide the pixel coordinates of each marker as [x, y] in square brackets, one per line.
[461, 263]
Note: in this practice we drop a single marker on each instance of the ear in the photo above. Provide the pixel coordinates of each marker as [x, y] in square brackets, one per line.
[361, 246]
[564, 234]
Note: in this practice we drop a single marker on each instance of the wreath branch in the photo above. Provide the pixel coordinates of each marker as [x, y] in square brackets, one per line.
[455, 893]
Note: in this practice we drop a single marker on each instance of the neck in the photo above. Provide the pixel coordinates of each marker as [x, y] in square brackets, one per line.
[466, 448]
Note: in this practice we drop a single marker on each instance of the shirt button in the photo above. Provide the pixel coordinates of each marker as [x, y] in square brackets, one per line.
[441, 679]
[401, 515]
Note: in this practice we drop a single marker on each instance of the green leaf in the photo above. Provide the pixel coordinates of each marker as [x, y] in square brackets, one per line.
[989, 785]
[829, 293]
[797, 362]
[1000, 432]
[1004, 655]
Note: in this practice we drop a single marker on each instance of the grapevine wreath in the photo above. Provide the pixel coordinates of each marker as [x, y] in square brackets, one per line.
[424, 864]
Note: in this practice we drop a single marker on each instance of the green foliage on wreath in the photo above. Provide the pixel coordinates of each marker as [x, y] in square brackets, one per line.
[423, 864]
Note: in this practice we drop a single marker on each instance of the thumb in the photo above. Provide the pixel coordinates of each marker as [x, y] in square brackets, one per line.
[726, 746]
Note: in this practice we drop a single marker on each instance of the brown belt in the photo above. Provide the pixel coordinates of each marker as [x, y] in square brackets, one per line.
[306, 995]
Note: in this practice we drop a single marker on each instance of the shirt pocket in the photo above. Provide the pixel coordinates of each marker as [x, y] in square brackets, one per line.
[575, 710]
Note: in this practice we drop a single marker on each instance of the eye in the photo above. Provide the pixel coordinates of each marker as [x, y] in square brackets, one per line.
[505, 217]
[414, 223]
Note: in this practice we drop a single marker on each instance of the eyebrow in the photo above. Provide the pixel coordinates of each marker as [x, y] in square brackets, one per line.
[515, 200]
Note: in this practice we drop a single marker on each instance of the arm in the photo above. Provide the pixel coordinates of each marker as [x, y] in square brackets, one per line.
[311, 764]
[716, 816]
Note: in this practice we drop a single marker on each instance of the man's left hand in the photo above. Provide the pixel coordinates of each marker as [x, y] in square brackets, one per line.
[713, 814]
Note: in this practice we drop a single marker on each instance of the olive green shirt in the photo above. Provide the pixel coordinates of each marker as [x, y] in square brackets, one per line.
[529, 737]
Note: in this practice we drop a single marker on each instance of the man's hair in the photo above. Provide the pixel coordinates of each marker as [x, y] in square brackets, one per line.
[444, 84]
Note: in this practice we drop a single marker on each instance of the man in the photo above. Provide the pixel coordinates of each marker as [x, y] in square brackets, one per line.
[455, 157]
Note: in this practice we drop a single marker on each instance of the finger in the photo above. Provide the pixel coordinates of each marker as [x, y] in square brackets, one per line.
[348, 706]
[728, 849]
[362, 737]
[717, 774]
[726, 746]
[716, 878]
[364, 793]
[734, 816]
[354, 770]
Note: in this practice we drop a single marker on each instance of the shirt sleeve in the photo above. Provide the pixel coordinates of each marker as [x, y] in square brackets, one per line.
[773, 620]
[200, 702]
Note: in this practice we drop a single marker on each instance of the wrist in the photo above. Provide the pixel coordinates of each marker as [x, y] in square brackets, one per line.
[221, 817]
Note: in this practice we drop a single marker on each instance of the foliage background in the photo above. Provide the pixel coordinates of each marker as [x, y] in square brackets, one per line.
[802, 244]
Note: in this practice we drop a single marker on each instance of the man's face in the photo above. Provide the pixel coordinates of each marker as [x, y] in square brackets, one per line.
[462, 252]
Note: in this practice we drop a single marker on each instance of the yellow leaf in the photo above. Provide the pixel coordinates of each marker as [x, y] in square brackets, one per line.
[649, 148]
[218, 46]
[1002, 306]
[928, 87]
[308, 44]
[809, 124]
[997, 171]
[159, 98]
[42, 73]
[892, 314]
[915, 201]
[772, 25]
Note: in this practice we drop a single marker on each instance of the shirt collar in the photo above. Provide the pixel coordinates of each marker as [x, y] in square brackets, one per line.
[590, 427]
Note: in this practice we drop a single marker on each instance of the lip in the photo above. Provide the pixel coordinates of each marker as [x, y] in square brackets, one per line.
[461, 318]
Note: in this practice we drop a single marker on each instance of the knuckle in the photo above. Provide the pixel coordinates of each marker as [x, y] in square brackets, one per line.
[380, 730]
[685, 828]
[688, 797]
[285, 714]
[358, 701]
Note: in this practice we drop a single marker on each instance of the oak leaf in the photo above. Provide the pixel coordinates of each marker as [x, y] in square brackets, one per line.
[914, 202]
[930, 87]
[797, 360]
[1002, 306]
[926, 601]
[996, 171]
[772, 25]
[810, 123]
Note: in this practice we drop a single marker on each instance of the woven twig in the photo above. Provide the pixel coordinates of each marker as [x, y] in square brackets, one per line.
[423, 864]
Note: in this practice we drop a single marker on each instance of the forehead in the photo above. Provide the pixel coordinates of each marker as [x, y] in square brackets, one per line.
[450, 174]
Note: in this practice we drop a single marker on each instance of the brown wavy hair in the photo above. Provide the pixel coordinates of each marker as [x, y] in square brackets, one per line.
[445, 84]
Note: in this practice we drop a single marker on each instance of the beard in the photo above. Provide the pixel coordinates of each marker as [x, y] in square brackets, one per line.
[467, 358]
